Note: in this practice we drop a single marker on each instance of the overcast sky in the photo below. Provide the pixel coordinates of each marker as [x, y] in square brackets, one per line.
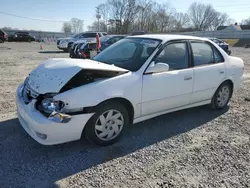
[64, 10]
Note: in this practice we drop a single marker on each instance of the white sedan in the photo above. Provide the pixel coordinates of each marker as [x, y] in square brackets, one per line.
[135, 79]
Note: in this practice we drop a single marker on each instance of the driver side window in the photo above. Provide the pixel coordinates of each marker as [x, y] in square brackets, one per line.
[175, 55]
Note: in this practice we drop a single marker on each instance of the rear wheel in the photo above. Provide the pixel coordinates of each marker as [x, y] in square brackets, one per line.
[106, 125]
[1, 40]
[29, 40]
[222, 96]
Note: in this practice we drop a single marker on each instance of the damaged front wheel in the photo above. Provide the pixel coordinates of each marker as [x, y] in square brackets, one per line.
[107, 124]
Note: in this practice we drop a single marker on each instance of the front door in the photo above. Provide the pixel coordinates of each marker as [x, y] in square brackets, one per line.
[171, 89]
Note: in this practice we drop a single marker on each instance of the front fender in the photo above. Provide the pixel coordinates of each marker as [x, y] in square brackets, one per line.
[127, 86]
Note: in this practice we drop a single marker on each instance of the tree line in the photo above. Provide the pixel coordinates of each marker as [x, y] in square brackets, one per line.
[126, 16]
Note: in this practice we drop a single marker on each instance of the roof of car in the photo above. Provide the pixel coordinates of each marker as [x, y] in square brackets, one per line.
[167, 37]
[115, 35]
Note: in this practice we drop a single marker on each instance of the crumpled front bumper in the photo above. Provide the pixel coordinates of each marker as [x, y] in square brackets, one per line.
[36, 123]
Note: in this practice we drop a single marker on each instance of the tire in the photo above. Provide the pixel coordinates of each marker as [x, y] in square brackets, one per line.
[1, 40]
[222, 96]
[106, 126]
[29, 40]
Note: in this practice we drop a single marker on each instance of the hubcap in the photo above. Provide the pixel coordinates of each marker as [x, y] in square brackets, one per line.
[109, 125]
[223, 96]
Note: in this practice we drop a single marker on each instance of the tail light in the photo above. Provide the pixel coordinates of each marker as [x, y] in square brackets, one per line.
[4, 35]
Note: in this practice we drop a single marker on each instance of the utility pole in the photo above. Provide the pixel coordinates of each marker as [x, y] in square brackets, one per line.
[98, 16]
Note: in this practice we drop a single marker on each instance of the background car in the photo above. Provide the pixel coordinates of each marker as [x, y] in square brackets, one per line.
[65, 43]
[74, 49]
[21, 37]
[3, 36]
[138, 33]
[104, 33]
[222, 44]
[108, 40]
[82, 49]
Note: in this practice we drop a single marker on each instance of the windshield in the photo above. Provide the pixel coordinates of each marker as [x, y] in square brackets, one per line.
[105, 38]
[88, 35]
[129, 53]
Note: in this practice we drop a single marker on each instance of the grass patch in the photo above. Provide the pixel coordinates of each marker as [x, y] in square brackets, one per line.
[231, 42]
[237, 42]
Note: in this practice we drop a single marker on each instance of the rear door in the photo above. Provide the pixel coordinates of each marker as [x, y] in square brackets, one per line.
[209, 70]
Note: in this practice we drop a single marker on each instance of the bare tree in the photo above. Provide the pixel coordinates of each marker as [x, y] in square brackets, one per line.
[66, 27]
[94, 26]
[126, 16]
[77, 25]
[129, 14]
[246, 21]
[221, 19]
[181, 20]
[164, 17]
[104, 11]
[144, 8]
[201, 15]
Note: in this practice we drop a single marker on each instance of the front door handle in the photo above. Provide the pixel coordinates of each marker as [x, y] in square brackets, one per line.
[188, 78]
[222, 72]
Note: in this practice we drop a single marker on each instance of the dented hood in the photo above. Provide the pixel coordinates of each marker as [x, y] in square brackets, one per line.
[53, 74]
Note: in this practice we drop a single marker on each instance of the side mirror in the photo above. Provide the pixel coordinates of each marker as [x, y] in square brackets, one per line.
[157, 68]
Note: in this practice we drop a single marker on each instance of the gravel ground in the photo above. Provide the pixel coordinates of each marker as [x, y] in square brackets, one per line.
[191, 148]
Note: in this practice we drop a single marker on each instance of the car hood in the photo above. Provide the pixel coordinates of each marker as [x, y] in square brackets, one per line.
[52, 75]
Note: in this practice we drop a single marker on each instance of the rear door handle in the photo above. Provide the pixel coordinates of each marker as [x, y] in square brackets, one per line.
[222, 72]
[188, 78]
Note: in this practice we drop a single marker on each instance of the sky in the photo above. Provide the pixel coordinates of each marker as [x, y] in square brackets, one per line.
[64, 10]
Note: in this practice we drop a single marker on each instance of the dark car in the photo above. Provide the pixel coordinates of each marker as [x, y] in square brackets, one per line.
[138, 33]
[82, 49]
[108, 40]
[222, 44]
[3, 36]
[21, 37]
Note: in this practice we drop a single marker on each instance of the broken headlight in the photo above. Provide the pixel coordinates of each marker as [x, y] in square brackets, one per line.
[49, 105]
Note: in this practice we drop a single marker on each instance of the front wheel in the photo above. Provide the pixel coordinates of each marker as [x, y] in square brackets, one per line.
[106, 125]
[222, 96]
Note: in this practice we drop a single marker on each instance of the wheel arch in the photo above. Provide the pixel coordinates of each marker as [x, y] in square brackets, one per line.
[231, 84]
[227, 81]
[125, 102]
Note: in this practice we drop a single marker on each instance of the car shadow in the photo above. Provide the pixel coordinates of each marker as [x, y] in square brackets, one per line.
[35, 165]
[52, 52]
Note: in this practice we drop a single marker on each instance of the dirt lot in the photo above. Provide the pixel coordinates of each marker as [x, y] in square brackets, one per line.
[191, 148]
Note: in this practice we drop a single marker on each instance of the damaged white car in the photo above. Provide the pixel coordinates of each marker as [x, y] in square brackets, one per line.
[135, 79]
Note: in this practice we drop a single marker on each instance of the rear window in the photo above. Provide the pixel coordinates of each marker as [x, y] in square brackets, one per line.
[89, 46]
[89, 35]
